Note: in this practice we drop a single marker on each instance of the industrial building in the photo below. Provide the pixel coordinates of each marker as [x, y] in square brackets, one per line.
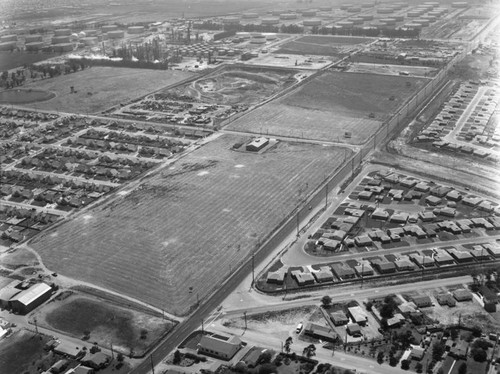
[220, 346]
[257, 144]
[27, 300]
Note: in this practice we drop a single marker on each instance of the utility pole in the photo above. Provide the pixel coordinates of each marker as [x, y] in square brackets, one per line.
[202, 327]
[36, 325]
[362, 273]
[298, 211]
[326, 195]
[112, 352]
[253, 268]
[152, 364]
[245, 316]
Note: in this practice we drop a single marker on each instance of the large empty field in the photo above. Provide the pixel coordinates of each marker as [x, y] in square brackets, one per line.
[331, 104]
[321, 45]
[237, 85]
[99, 88]
[189, 225]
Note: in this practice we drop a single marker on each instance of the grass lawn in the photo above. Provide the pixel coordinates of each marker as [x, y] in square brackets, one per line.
[190, 224]
[331, 104]
[99, 88]
[21, 352]
[106, 323]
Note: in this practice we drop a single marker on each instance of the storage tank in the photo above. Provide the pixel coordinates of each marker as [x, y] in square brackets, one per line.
[270, 21]
[135, 29]
[271, 37]
[422, 22]
[388, 21]
[249, 15]
[398, 18]
[367, 5]
[356, 20]
[429, 18]
[413, 14]
[108, 28]
[366, 17]
[396, 7]
[89, 40]
[34, 46]
[309, 13]
[311, 22]
[258, 41]
[414, 26]
[286, 16]
[8, 38]
[345, 24]
[32, 38]
[276, 12]
[60, 39]
[90, 32]
[231, 20]
[433, 4]
[243, 35]
[63, 47]
[385, 10]
[354, 9]
[345, 6]
[116, 34]
[325, 8]
[62, 32]
[7, 46]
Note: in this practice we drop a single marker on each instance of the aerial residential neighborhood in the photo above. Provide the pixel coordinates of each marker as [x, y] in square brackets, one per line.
[264, 187]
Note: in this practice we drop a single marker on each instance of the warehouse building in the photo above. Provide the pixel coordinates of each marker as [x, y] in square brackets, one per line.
[220, 346]
[27, 300]
[257, 144]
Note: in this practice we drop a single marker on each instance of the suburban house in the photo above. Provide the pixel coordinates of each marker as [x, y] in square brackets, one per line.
[220, 346]
[357, 315]
[354, 330]
[462, 295]
[422, 301]
[320, 332]
[339, 318]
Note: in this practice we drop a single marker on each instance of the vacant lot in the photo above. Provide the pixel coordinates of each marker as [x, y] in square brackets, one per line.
[191, 224]
[99, 88]
[320, 45]
[127, 329]
[331, 104]
[23, 352]
[237, 85]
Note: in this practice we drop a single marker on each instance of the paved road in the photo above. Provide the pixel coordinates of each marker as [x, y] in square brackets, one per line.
[340, 294]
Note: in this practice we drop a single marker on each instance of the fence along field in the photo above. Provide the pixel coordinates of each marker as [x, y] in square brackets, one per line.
[189, 225]
[332, 103]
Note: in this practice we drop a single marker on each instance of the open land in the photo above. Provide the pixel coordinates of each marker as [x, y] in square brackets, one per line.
[321, 45]
[206, 212]
[127, 329]
[236, 85]
[99, 88]
[332, 104]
